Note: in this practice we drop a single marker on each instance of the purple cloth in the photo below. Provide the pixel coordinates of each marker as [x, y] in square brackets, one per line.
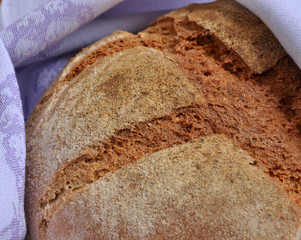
[37, 38]
[12, 152]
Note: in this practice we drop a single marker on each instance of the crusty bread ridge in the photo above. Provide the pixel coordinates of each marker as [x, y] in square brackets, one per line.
[122, 102]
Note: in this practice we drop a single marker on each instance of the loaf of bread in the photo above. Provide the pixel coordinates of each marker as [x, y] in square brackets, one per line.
[189, 129]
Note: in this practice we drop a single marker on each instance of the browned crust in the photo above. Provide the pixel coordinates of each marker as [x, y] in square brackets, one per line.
[207, 59]
[73, 68]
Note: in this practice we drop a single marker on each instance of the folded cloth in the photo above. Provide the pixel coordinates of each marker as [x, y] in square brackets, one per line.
[12, 152]
[37, 38]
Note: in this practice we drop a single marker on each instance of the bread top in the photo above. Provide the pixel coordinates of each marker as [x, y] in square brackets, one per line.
[238, 29]
[138, 100]
[204, 189]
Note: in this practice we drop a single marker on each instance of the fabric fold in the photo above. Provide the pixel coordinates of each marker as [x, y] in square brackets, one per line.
[49, 24]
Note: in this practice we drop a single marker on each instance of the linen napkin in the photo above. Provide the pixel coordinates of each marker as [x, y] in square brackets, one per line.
[38, 37]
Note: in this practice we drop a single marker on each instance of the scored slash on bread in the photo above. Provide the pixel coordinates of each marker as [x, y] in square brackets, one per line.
[202, 70]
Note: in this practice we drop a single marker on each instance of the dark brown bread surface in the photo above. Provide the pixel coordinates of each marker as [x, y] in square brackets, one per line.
[197, 71]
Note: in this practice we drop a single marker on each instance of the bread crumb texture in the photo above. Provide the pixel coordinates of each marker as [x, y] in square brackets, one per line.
[202, 70]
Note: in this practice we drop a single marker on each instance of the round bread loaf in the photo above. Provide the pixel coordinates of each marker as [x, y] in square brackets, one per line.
[188, 130]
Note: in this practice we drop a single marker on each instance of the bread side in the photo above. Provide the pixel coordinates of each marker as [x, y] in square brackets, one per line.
[205, 189]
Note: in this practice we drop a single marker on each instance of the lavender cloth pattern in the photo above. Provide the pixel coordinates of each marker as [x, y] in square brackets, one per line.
[47, 25]
[12, 152]
[38, 41]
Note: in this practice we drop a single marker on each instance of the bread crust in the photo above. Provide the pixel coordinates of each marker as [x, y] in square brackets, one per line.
[61, 82]
[238, 29]
[184, 77]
